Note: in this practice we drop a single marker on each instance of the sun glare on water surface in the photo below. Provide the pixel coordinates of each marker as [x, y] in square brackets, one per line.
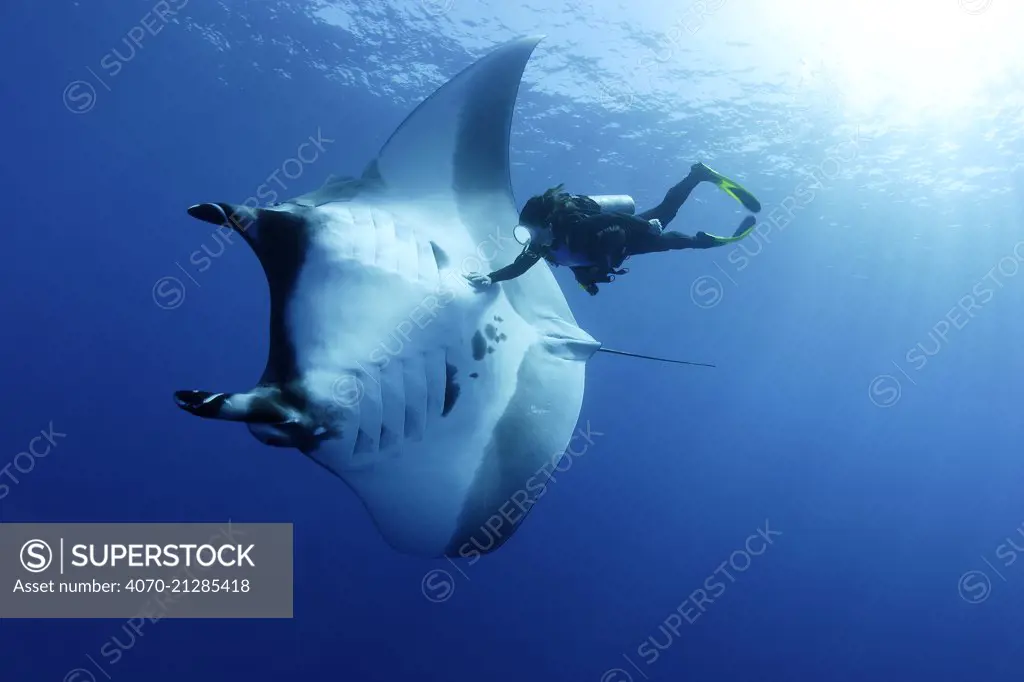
[907, 59]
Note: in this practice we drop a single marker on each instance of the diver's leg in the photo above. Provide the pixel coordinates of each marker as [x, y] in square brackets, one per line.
[666, 241]
[674, 198]
[673, 241]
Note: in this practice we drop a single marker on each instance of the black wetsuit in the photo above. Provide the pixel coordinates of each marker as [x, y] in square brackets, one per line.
[607, 239]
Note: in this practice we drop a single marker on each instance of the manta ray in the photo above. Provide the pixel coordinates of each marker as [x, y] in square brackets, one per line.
[442, 407]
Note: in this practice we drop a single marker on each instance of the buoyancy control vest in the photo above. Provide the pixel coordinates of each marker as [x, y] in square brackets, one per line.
[573, 209]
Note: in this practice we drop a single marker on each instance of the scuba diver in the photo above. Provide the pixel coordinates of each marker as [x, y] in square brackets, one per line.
[594, 235]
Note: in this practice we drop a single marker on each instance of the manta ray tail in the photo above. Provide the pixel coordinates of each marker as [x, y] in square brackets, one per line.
[652, 357]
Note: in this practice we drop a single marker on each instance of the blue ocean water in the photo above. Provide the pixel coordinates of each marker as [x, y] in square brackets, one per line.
[839, 498]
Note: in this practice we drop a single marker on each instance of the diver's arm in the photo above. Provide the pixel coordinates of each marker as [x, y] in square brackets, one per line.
[520, 265]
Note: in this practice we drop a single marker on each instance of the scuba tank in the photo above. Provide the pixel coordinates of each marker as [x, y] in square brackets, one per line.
[615, 203]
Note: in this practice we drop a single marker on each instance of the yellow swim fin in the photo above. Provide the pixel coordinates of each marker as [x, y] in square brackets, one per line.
[745, 228]
[730, 187]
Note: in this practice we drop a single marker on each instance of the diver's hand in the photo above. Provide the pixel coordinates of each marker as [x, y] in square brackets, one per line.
[478, 281]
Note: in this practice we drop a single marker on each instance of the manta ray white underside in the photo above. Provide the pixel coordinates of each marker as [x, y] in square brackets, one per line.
[443, 408]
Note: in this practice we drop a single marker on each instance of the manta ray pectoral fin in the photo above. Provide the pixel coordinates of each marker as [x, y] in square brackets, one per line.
[252, 408]
[456, 142]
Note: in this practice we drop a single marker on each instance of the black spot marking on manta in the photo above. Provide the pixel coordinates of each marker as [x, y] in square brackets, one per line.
[479, 346]
[474, 375]
[440, 256]
[497, 318]
[502, 337]
[490, 349]
[451, 388]
[491, 331]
